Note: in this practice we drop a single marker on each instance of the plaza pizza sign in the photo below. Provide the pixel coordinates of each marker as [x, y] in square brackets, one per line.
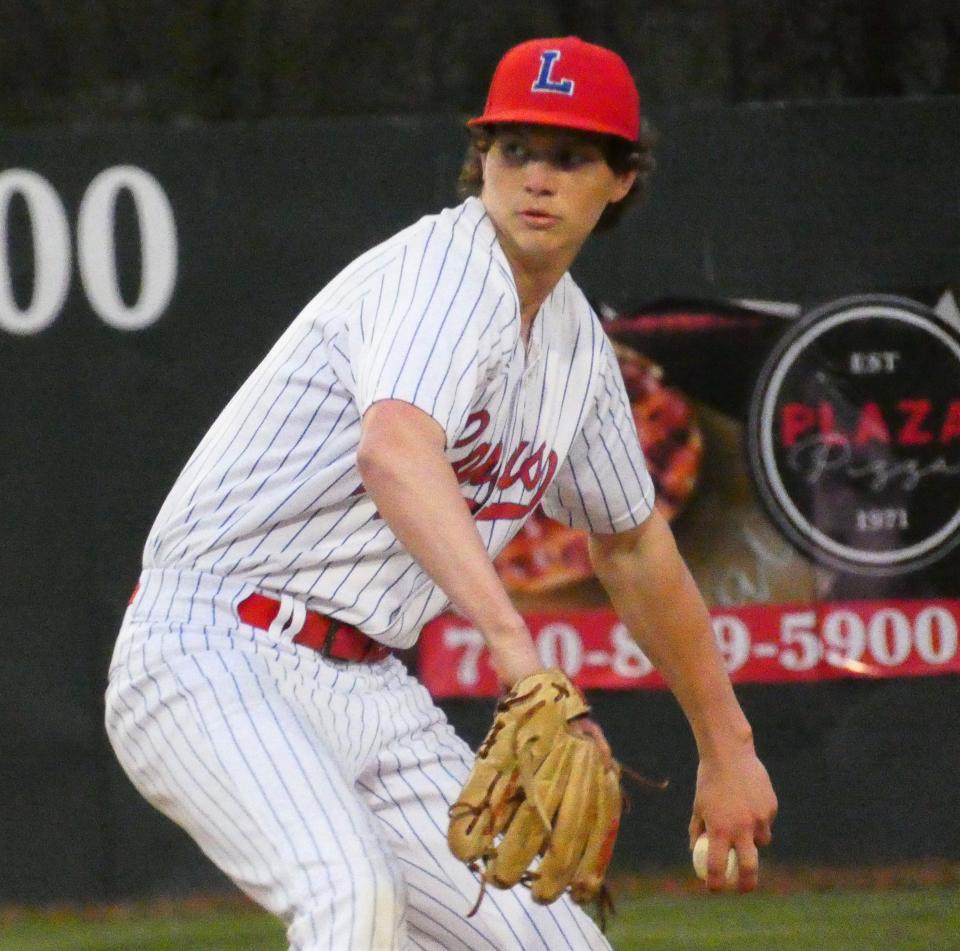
[854, 435]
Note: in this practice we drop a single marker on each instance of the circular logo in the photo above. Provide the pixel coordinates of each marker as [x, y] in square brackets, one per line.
[854, 435]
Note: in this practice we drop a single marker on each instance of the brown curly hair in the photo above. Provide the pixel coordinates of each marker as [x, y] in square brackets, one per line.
[621, 155]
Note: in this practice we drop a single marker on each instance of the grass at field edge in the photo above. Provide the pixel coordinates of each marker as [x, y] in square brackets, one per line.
[778, 879]
[904, 910]
[775, 880]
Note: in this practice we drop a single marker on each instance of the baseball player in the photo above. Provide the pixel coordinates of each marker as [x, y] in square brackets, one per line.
[390, 444]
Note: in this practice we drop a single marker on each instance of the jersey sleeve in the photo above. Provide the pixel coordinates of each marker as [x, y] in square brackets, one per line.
[603, 485]
[430, 337]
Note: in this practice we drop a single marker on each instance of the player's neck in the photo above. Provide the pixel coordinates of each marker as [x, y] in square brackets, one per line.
[530, 305]
[536, 270]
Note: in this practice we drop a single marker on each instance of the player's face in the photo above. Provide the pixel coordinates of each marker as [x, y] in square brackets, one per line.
[545, 188]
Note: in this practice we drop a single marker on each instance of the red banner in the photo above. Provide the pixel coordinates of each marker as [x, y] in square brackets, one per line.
[762, 643]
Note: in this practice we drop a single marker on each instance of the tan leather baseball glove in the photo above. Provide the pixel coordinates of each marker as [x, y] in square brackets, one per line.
[542, 805]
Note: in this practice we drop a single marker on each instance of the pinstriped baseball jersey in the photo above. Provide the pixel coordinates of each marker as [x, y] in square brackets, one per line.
[272, 495]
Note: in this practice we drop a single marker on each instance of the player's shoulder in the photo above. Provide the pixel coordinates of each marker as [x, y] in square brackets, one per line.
[457, 257]
[462, 238]
[454, 240]
[575, 299]
[577, 315]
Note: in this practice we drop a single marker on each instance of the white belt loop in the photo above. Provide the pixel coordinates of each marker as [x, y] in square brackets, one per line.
[297, 619]
[289, 620]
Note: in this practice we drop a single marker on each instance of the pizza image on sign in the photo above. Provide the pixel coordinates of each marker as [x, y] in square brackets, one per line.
[545, 554]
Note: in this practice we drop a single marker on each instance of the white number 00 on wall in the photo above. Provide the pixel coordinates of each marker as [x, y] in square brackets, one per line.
[96, 253]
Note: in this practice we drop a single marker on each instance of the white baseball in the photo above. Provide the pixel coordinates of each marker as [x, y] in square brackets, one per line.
[700, 860]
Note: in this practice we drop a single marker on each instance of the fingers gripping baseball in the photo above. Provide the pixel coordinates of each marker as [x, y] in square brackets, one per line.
[544, 787]
[733, 813]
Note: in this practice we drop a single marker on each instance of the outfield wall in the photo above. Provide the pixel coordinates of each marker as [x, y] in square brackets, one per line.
[147, 269]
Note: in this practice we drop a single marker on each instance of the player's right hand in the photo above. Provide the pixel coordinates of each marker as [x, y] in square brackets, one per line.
[735, 805]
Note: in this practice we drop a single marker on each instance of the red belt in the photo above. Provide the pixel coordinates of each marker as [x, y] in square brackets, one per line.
[326, 635]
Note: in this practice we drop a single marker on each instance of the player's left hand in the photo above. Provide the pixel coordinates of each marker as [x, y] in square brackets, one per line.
[735, 805]
[542, 803]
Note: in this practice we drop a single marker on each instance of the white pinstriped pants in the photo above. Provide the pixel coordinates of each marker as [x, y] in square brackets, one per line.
[321, 788]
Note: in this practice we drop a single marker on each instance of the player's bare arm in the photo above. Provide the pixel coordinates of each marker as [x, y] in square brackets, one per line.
[406, 472]
[656, 597]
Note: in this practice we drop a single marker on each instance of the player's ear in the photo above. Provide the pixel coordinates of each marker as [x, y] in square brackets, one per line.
[622, 185]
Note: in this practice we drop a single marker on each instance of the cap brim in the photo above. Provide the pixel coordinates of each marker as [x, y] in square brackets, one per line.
[535, 117]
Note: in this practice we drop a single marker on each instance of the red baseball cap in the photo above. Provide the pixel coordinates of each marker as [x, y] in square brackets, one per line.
[564, 82]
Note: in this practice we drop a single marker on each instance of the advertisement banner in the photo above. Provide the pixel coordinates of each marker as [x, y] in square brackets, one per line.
[761, 643]
[146, 269]
[809, 465]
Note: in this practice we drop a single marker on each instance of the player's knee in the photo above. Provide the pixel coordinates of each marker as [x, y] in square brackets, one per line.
[365, 910]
